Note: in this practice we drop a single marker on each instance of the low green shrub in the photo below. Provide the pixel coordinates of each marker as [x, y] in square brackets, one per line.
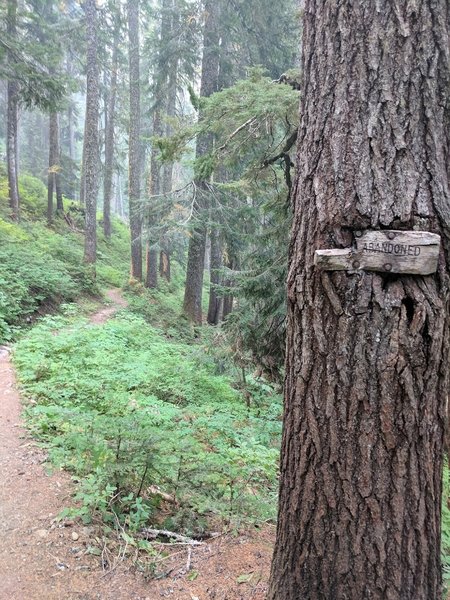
[30, 281]
[42, 266]
[125, 410]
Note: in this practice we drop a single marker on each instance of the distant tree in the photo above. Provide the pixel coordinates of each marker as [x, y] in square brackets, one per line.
[26, 63]
[134, 144]
[53, 176]
[91, 164]
[110, 127]
[215, 306]
[197, 242]
[12, 114]
[172, 55]
[367, 375]
[160, 98]
[254, 124]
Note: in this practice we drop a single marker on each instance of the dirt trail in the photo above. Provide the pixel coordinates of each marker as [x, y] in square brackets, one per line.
[117, 301]
[43, 559]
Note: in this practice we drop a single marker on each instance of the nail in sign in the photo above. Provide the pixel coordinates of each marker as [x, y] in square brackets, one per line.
[404, 252]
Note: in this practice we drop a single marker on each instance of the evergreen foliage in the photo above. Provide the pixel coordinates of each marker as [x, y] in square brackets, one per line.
[125, 410]
[254, 124]
[37, 51]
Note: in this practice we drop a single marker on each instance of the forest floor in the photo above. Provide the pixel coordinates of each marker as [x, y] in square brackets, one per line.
[45, 558]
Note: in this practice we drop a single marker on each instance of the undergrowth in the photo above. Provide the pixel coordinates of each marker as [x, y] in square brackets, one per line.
[153, 436]
[41, 266]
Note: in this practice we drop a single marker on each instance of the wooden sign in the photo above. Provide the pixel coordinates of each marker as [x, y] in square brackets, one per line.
[405, 252]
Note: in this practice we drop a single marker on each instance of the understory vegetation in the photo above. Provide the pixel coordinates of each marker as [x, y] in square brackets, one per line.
[40, 267]
[141, 422]
[155, 421]
[160, 423]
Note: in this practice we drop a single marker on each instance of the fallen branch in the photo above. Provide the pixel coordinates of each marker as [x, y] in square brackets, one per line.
[155, 491]
[152, 534]
[71, 223]
[188, 563]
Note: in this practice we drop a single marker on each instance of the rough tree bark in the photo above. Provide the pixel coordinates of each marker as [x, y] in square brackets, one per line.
[167, 177]
[134, 146]
[215, 300]
[90, 149]
[164, 265]
[367, 353]
[53, 175]
[151, 278]
[109, 133]
[156, 169]
[172, 88]
[12, 113]
[192, 305]
[52, 134]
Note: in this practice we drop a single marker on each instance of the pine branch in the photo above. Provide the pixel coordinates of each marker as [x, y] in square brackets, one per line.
[285, 152]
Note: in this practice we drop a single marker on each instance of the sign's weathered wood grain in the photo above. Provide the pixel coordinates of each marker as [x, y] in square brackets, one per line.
[403, 252]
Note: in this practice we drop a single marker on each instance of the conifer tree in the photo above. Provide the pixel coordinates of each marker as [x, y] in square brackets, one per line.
[197, 243]
[12, 115]
[367, 374]
[110, 126]
[134, 145]
[91, 165]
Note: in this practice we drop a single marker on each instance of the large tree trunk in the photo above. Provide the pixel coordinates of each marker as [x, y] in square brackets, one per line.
[215, 300]
[90, 173]
[53, 176]
[119, 209]
[134, 147]
[12, 113]
[71, 131]
[151, 279]
[82, 170]
[71, 124]
[367, 353]
[164, 264]
[109, 133]
[192, 305]
[172, 88]
[52, 143]
[156, 186]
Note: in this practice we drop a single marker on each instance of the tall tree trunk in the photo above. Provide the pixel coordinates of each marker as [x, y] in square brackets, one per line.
[215, 300]
[192, 305]
[156, 169]
[83, 170]
[71, 132]
[172, 88]
[228, 299]
[53, 177]
[52, 149]
[164, 264]
[134, 160]
[118, 197]
[12, 118]
[71, 123]
[91, 134]
[167, 175]
[109, 134]
[367, 353]
[151, 279]
[58, 184]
